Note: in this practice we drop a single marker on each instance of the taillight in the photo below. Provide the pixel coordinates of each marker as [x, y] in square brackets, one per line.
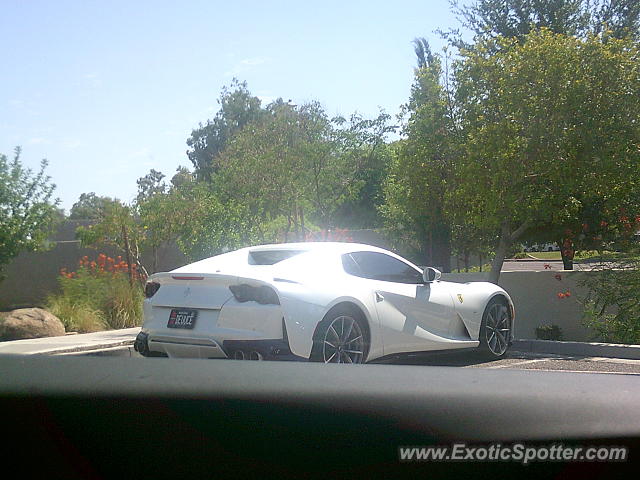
[246, 293]
[151, 288]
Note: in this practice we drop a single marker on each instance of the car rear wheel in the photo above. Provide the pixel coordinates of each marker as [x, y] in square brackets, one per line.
[495, 330]
[340, 338]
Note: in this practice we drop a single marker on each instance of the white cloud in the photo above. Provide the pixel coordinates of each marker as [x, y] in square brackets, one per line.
[71, 143]
[246, 65]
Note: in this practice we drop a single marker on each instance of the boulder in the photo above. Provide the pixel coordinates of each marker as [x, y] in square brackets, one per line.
[30, 323]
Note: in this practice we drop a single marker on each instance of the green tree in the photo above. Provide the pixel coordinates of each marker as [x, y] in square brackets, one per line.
[149, 185]
[360, 144]
[211, 224]
[27, 212]
[422, 169]
[547, 122]
[237, 108]
[117, 226]
[517, 18]
[89, 206]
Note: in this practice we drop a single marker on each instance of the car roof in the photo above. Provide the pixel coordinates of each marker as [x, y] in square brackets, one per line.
[337, 247]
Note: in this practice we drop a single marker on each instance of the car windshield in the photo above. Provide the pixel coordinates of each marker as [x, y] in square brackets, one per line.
[437, 184]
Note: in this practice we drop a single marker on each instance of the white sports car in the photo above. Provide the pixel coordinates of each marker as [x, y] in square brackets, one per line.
[325, 302]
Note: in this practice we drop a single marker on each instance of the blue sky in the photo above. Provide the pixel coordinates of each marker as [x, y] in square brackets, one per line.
[108, 90]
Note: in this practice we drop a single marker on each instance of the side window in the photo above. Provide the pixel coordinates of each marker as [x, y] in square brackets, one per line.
[379, 266]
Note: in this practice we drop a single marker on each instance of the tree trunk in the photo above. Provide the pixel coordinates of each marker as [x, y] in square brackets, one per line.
[501, 252]
[567, 253]
[438, 248]
[296, 225]
[155, 259]
[127, 249]
[286, 232]
[507, 237]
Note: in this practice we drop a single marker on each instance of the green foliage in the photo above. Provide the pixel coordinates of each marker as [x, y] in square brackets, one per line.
[91, 299]
[237, 108]
[612, 305]
[89, 207]
[27, 212]
[76, 316]
[117, 226]
[517, 18]
[549, 332]
[421, 171]
[547, 122]
[149, 185]
[210, 225]
[359, 144]
[296, 165]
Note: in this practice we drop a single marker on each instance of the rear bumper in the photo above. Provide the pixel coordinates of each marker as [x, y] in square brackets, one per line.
[260, 350]
[153, 345]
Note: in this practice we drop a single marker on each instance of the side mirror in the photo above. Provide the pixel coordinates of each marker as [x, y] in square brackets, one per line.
[430, 275]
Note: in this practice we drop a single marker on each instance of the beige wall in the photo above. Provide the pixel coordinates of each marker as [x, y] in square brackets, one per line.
[30, 277]
[535, 297]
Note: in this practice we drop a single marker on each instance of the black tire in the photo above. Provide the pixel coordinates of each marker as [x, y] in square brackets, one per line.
[341, 333]
[494, 339]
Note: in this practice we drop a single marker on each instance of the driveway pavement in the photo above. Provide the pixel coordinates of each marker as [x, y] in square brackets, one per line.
[536, 265]
[71, 343]
[524, 361]
[120, 343]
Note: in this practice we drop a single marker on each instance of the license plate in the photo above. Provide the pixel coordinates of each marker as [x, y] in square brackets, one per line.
[182, 318]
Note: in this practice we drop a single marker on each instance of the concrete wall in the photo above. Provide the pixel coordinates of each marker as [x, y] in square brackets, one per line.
[535, 295]
[31, 276]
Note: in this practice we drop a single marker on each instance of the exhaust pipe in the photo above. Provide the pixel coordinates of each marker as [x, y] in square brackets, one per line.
[255, 355]
[238, 355]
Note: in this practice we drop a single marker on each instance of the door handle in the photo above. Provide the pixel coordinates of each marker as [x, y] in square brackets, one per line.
[379, 297]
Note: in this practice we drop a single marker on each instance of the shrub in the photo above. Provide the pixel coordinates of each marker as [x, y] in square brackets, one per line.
[548, 332]
[612, 305]
[76, 316]
[98, 295]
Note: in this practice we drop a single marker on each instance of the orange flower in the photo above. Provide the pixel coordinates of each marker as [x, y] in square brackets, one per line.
[561, 295]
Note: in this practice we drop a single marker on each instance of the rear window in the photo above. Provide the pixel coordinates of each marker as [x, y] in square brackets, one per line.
[271, 257]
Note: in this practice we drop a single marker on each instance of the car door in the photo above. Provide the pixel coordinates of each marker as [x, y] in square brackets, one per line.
[413, 316]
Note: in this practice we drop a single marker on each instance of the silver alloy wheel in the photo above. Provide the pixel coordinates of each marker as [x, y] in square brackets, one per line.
[343, 341]
[498, 329]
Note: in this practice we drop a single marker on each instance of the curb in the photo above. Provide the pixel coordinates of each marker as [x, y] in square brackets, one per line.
[531, 260]
[72, 344]
[111, 351]
[89, 348]
[580, 349]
